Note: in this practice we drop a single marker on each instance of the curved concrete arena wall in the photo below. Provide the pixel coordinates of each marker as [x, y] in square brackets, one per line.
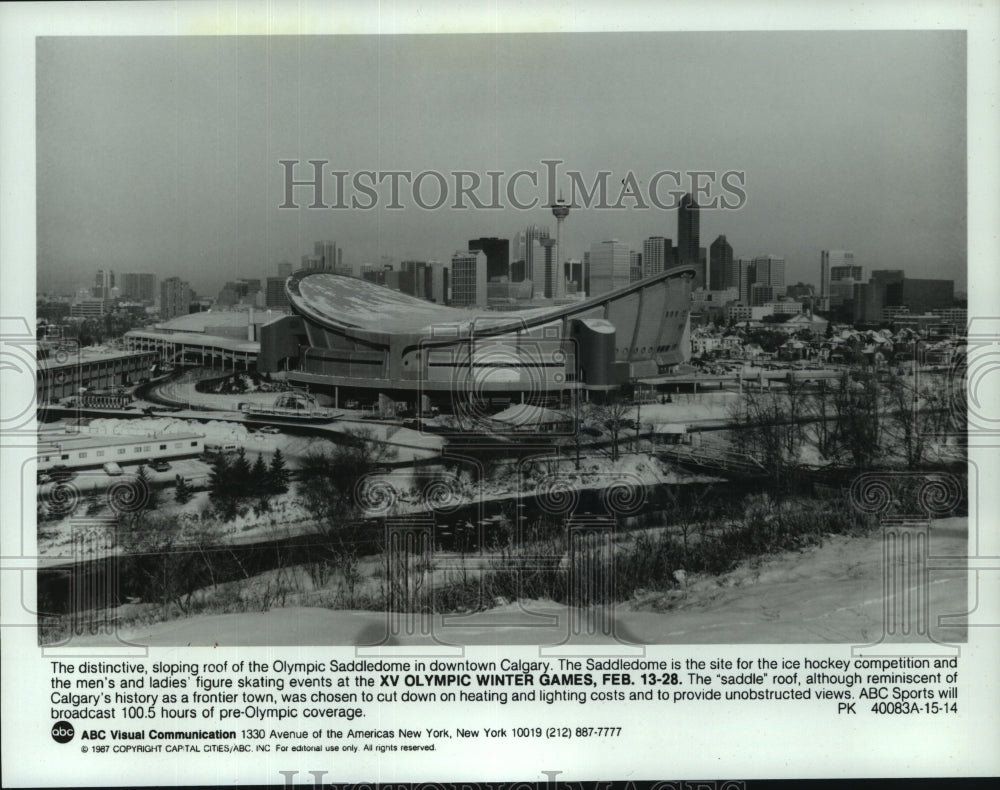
[360, 334]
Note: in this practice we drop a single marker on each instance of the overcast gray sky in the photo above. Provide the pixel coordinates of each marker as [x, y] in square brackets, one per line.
[161, 154]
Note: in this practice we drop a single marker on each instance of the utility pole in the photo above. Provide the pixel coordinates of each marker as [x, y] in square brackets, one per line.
[577, 438]
[638, 414]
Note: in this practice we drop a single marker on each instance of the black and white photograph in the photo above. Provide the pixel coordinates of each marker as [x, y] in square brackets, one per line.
[494, 336]
[657, 354]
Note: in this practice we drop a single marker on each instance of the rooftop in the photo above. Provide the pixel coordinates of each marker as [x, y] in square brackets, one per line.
[71, 356]
[198, 339]
[197, 322]
[352, 302]
[528, 415]
[81, 441]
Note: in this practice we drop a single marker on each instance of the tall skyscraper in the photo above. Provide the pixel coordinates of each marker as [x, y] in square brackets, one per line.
[827, 260]
[414, 282]
[657, 254]
[524, 241]
[842, 279]
[731, 276]
[550, 280]
[275, 296]
[720, 261]
[634, 266]
[175, 298]
[574, 275]
[849, 272]
[139, 286]
[104, 281]
[609, 266]
[437, 290]
[770, 270]
[744, 276]
[688, 224]
[497, 255]
[326, 251]
[768, 282]
[468, 279]
[762, 293]
[239, 292]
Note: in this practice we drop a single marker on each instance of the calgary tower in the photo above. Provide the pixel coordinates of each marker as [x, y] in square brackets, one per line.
[560, 210]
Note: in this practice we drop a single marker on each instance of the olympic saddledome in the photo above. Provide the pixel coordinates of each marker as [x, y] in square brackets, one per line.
[352, 336]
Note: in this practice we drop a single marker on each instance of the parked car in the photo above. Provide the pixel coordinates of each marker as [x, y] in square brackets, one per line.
[112, 469]
[192, 481]
[158, 464]
[220, 449]
[270, 429]
[60, 474]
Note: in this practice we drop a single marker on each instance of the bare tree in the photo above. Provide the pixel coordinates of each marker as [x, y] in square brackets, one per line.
[166, 563]
[327, 485]
[906, 420]
[613, 416]
[582, 417]
[823, 428]
[327, 480]
[767, 428]
[944, 411]
[795, 402]
[859, 410]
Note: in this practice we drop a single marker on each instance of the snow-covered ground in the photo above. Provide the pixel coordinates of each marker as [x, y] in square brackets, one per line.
[287, 516]
[181, 390]
[218, 432]
[687, 407]
[826, 594]
[253, 440]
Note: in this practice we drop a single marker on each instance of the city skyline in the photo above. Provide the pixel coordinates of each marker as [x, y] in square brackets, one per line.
[827, 144]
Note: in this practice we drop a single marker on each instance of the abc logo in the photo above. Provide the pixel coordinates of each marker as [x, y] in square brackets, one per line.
[63, 732]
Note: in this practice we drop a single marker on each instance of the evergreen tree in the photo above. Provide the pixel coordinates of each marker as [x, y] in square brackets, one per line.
[258, 475]
[278, 474]
[146, 491]
[241, 469]
[223, 487]
[218, 478]
[259, 483]
[182, 492]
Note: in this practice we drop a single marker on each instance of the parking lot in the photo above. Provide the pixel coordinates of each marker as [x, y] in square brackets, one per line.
[194, 470]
